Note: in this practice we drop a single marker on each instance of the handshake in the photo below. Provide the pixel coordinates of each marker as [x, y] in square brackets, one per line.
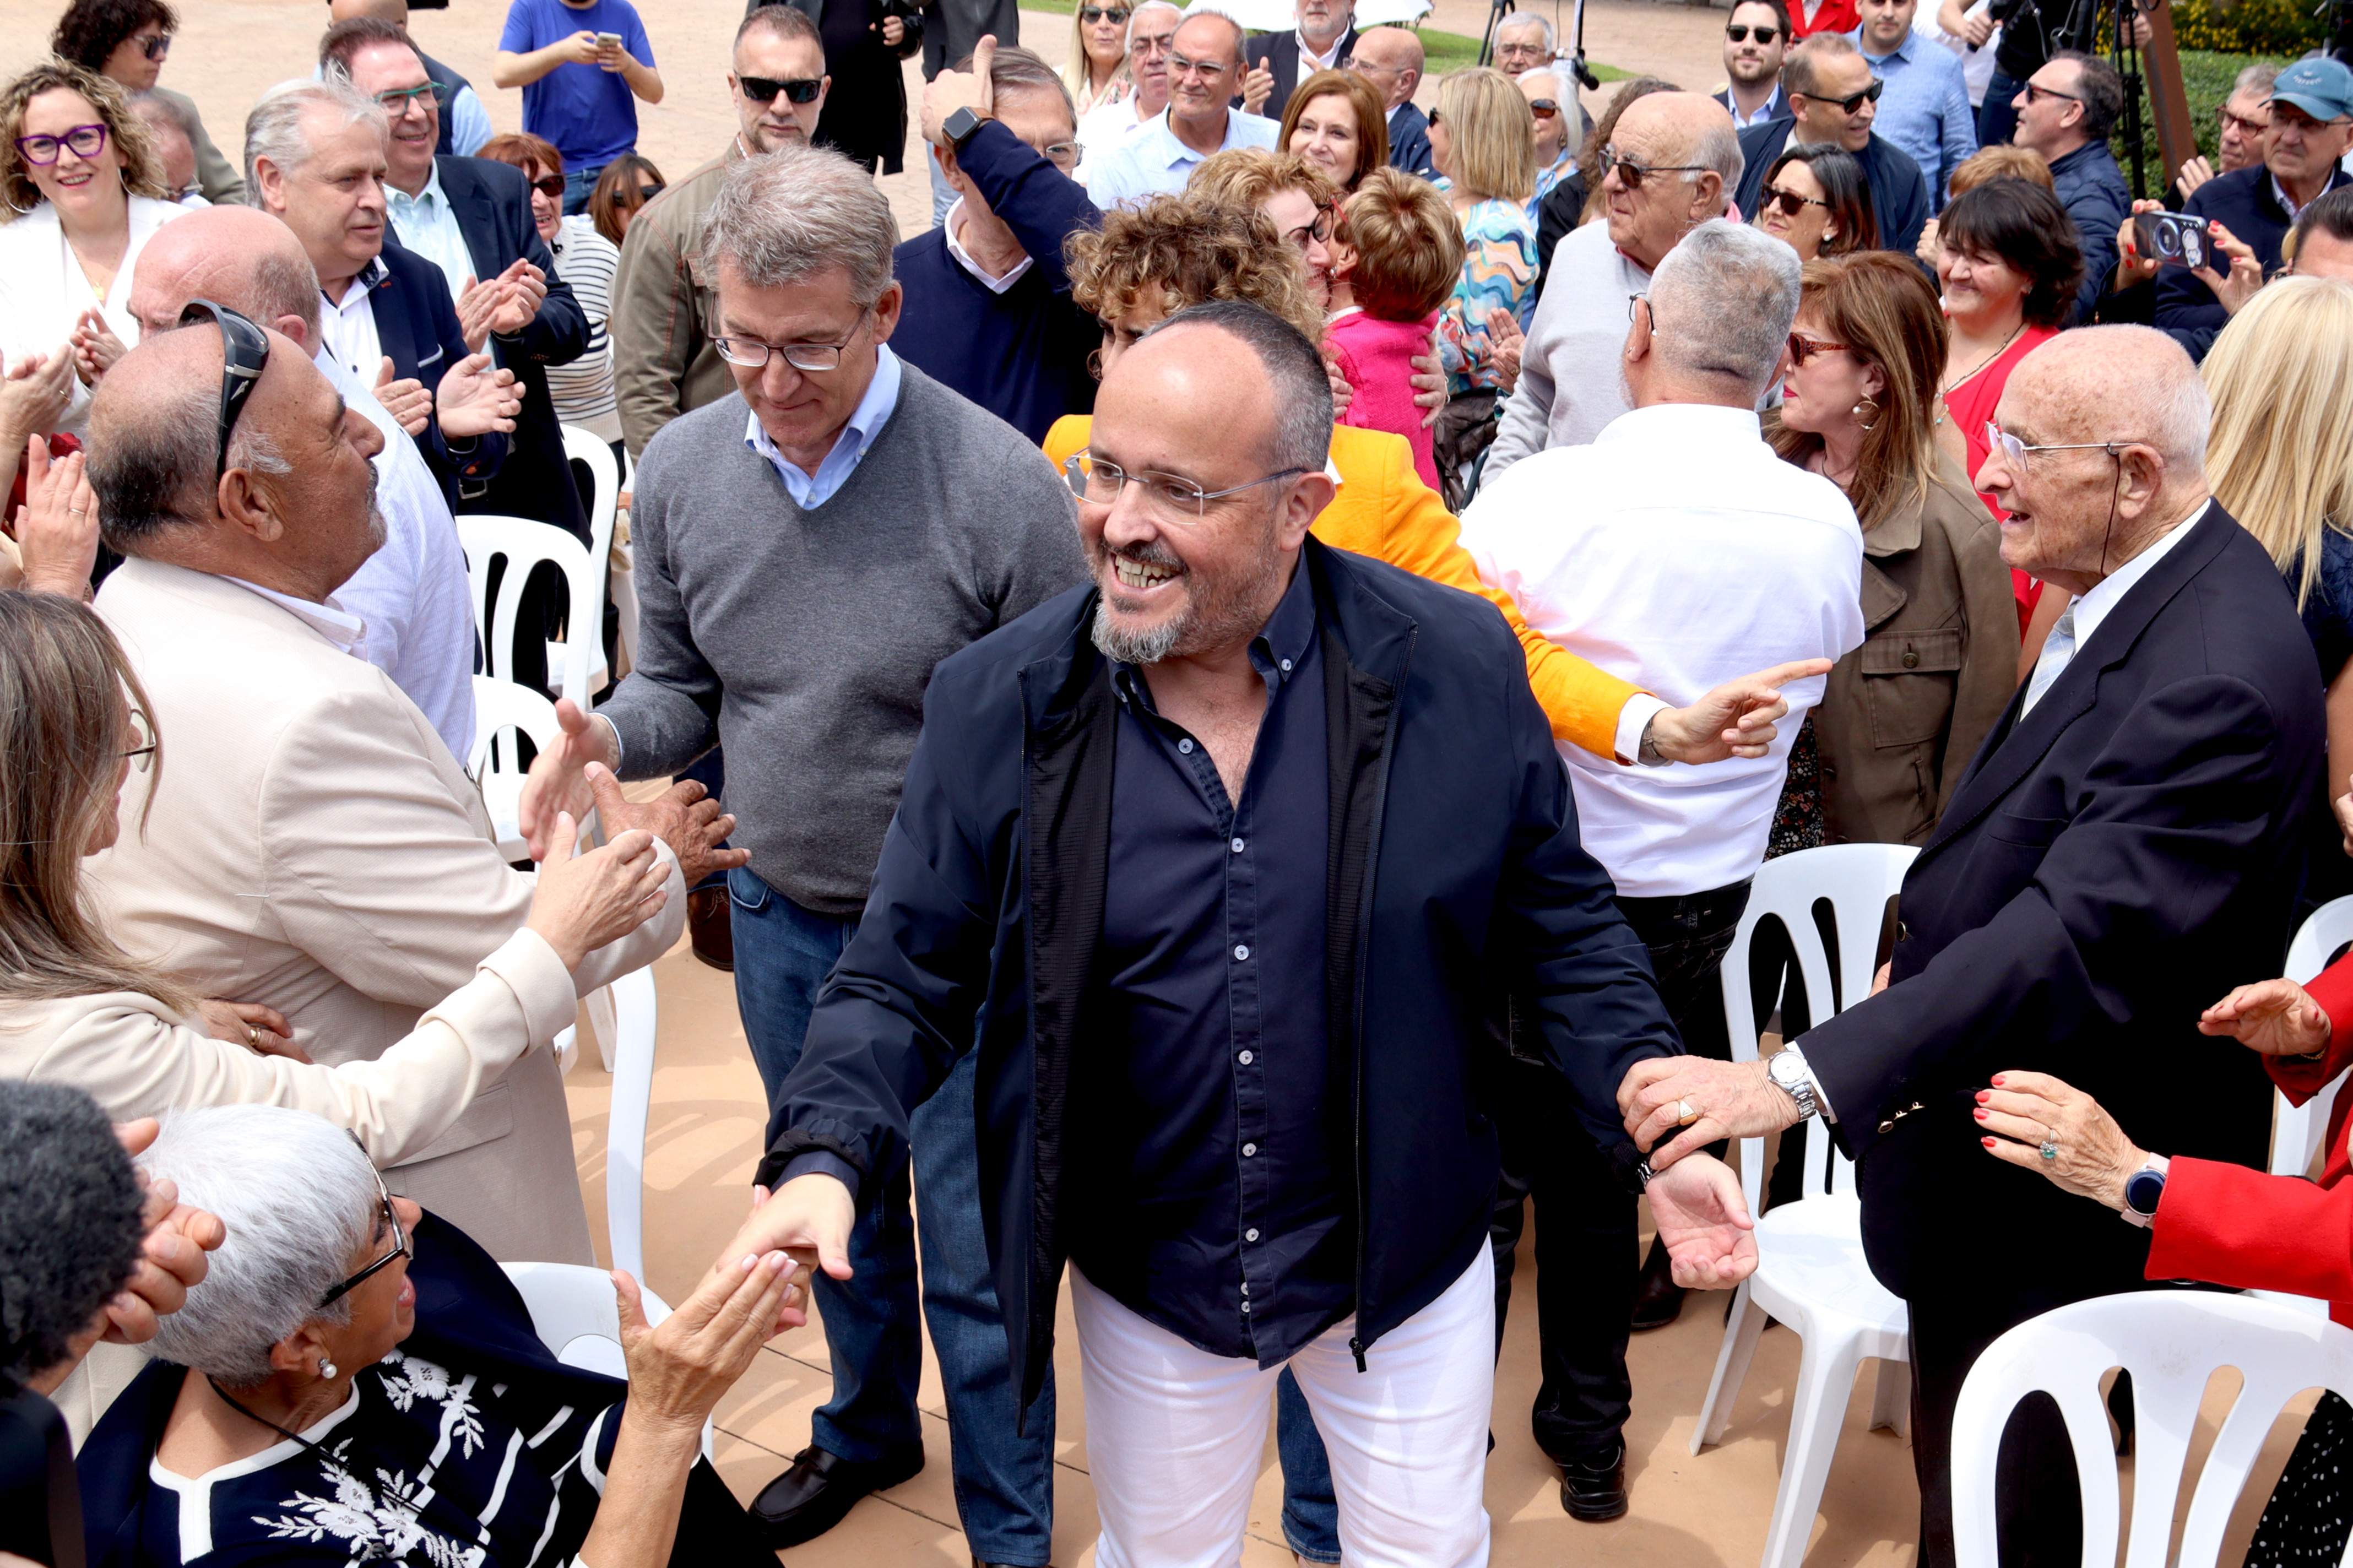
[574, 774]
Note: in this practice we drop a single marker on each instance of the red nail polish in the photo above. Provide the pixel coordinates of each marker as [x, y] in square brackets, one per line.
[1980, 1113]
[1997, 1081]
[1984, 1095]
[1987, 1141]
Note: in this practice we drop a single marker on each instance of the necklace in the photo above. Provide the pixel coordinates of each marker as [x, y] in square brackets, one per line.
[1989, 359]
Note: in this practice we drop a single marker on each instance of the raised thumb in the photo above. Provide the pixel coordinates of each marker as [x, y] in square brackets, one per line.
[630, 1305]
[384, 372]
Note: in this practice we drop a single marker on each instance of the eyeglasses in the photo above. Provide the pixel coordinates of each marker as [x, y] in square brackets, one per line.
[1803, 348]
[1179, 65]
[1320, 231]
[1143, 46]
[244, 354]
[549, 185]
[1544, 108]
[1063, 155]
[2014, 450]
[398, 100]
[1516, 48]
[1789, 201]
[82, 140]
[1853, 101]
[1369, 68]
[1099, 480]
[399, 1249]
[763, 90]
[752, 353]
[2037, 94]
[141, 756]
[2246, 127]
[1643, 299]
[1093, 14]
[1631, 174]
[1738, 33]
[157, 48]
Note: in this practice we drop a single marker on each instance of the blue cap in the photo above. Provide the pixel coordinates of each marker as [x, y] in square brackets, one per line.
[2322, 88]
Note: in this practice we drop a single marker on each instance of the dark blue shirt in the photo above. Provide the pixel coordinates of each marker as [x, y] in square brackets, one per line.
[2329, 609]
[1214, 1157]
[1022, 355]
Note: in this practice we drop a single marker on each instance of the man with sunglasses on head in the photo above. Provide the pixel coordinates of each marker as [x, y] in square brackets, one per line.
[1833, 99]
[1925, 107]
[1205, 74]
[1755, 41]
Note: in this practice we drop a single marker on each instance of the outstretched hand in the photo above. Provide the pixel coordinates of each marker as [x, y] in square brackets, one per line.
[682, 817]
[1735, 719]
[476, 398]
[2276, 1017]
[808, 1217]
[558, 780]
[1726, 1100]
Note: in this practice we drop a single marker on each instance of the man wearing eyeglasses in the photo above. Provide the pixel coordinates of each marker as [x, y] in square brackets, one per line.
[1523, 44]
[2064, 112]
[1833, 100]
[2240, 121]
[1755, 41]
[2131, 837]
[465, 123]
[1151, 36]
[1391, 59]
[988, 306]
[1925, 107]
[1205, 73]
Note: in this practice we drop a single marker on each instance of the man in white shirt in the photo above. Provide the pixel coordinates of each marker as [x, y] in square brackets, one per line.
[1279, 62]
[410, 601]
[1205, 72]
[1151, 38]
[1674, 551]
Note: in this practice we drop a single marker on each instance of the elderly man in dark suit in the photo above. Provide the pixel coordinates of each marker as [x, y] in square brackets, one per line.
[1279, 62]
[1391, 59]
[2127, 845]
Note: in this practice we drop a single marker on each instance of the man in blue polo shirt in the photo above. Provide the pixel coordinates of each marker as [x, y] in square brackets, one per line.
[580, 85]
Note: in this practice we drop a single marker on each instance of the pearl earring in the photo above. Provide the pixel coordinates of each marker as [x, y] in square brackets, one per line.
[326, 1369]
[1866, 419]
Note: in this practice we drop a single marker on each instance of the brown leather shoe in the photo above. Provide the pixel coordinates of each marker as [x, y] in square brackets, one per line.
[709, 927]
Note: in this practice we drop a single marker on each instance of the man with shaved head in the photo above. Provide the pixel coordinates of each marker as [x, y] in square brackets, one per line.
[411, 597]
[1678, 159]
[1216, 882]
[1205, 73]
[2127, 845]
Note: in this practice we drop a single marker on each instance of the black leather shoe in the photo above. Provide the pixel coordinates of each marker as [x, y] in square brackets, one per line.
[1658, 1300]
[814, 1495]
[1594, 1488]
[711, 926]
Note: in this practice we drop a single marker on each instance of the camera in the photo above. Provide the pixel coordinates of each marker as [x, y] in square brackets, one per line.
[2171, 239]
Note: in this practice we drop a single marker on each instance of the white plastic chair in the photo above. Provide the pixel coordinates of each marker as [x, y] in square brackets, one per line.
[634, 1018]
[607, 482]
[572, 1312]
[496, 764]
[2171, 1342]
[1811, 1272]
[2297, 1131]
[576, 663]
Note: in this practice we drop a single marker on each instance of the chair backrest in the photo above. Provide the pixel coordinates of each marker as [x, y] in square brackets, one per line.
[635, 1020]
[2171, 1342]
[574, 1313]
[596, 454]
[2297, 1129]
[523, 545]
[1856, 880]
[500, 706]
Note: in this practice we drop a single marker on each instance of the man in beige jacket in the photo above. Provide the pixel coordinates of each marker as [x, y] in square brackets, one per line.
[312, 844]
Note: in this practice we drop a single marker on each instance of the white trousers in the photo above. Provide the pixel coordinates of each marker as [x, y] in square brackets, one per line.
[1175, 1435]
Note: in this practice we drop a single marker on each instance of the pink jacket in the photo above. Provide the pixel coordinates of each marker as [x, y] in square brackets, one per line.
[1377, 358]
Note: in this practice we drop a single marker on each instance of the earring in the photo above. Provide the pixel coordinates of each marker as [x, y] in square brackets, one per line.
[1866, 411]
[326, 1369]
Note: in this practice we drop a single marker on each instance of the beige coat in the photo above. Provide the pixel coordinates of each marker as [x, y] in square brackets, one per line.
[314, 847]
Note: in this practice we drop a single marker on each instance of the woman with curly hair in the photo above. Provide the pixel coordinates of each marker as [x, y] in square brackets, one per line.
[127, 41]
[85, 192]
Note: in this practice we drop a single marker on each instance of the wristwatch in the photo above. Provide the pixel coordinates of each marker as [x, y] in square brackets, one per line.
[960, 126]
[1647, 754]
[1788, 1071]
[2142, 1191]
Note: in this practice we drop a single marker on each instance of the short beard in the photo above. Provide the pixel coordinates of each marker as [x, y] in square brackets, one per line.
[1222, 612]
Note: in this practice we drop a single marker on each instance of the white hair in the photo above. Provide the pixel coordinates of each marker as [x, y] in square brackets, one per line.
[1528, 19]
[1723, 301]
[1719, 149]
[1129, 44]
[275, 130]
[299, 1197]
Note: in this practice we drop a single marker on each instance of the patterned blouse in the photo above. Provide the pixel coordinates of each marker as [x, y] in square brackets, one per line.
[1499, 268]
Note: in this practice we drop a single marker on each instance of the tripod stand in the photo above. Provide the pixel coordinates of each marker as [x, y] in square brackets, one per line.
[2083, 31]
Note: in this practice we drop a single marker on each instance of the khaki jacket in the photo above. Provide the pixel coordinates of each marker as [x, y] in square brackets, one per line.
[664, 308]
[313, 846]
[1903, 713]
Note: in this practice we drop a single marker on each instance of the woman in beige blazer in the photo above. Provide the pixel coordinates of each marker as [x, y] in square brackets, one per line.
[74, 1008]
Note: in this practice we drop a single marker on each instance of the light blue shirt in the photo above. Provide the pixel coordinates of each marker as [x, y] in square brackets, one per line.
[427, 225]
[470, 122]
[850, 448]
[1152, 163]
[1925, 107]
[1773, 108]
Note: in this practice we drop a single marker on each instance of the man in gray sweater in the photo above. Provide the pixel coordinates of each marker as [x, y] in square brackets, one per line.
[808, 548]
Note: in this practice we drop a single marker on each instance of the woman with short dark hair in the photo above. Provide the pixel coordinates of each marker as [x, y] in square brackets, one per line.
[627, 184]
[1816, 201]
[127, 41]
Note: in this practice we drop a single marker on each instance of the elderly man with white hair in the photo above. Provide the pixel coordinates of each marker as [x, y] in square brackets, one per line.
[1151, 38]
[2127, 845]
[1692, 553]
[1523, 43]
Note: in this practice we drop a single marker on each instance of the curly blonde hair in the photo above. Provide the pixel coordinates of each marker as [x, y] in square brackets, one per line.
[1246, 176]
[143, 166]
[1176, 251]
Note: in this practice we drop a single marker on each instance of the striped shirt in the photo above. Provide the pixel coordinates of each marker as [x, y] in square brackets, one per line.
[582, 390]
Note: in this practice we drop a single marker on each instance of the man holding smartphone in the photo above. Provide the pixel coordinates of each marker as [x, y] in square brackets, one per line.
[582, 66]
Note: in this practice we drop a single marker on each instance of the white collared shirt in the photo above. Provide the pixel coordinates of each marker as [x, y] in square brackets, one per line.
[2096, 604]
[1692, 554]
[1322, 62]
[327, 618]
[426, 225]
[948, 231]
[866, 422]
[347, 326]
[1153, 162]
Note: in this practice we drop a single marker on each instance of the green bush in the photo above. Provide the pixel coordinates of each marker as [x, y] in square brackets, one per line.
[2206, 78]
[2287, 27]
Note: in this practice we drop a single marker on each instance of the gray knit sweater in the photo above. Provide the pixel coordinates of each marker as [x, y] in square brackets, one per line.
[802, 640]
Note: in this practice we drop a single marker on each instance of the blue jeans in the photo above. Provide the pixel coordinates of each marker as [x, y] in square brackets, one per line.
[1995, 118]
[1311, 1510]
[579, 185]
[1004, 1478]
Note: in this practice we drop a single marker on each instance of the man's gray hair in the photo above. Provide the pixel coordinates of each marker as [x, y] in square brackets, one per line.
[299, 1197]
[1528, 19]
[275, 130]
[789, 215]
[154, 469]
[1018, 70]
[1719, 149]
[1798, 70]
[1129, 42]
[1239, 35]
[1723, 301]
[2256, 79]
[1303, 388]
[171, 112]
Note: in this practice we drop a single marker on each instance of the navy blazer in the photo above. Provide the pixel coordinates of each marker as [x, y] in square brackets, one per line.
[1279, 52]
[1410, 142]
[1899, 194]
[2109, 866]
[1452, 869]
[492, 202]
[2243, 202]
[417, 327]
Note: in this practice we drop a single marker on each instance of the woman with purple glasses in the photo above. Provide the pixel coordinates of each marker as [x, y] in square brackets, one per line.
[127, 42]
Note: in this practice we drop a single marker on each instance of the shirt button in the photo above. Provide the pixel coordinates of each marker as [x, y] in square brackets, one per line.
[1249, 1150]
[1241, 950]
[1237, 846]
[1286, 666]
[1249, 1236]
[1185, 747]
[1245, 1306]
[1244, 1058]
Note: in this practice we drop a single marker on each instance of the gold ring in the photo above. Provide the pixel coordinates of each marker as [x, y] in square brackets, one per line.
[253, 1037]
[1685, 1114]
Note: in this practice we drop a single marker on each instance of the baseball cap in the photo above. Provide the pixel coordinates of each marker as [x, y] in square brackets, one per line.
[2322, 88]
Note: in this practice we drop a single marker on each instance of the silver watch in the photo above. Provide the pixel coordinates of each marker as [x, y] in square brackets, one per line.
[1788, 1071]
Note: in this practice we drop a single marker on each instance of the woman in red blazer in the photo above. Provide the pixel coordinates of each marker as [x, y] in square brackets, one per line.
[2225, 1224]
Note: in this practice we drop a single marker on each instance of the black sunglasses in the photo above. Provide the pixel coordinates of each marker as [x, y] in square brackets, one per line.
[245, 353]
[648, 193]
[1092, 13]
[1630, 174]
[1789, 202]
[549, 185]
[1738, 33]
[1850, 104]
[1543, 108]
[157, 48]
[399, 1249]
[763, 90]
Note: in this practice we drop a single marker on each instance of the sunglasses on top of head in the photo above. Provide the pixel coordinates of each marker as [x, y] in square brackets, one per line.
[763, 90]
[1853, 101]
[1738, 33]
